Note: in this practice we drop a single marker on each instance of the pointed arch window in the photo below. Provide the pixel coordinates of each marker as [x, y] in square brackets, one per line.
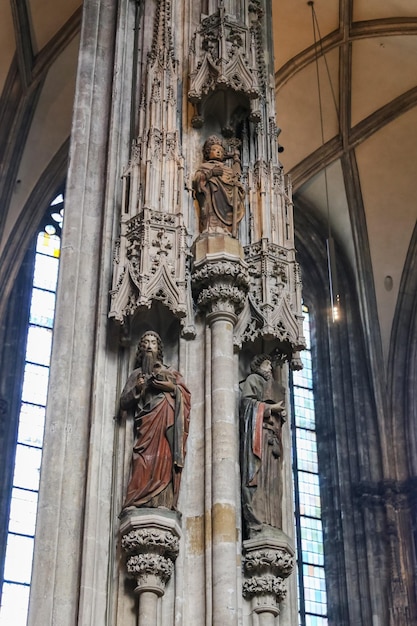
[22, 520]
[312, 597]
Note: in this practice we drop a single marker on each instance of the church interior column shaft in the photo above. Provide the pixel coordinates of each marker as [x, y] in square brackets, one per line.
[224, 460]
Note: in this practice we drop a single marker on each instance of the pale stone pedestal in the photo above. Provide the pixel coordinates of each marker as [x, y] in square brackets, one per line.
[268, 561]
[150, 539]
[216, 246]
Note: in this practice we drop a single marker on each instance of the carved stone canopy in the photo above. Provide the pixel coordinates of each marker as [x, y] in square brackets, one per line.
[273, 307]
[225, 59]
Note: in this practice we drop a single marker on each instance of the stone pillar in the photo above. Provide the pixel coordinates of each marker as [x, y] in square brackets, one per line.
[267, 563]
[70, 575]
[150, 539]
[220, 279]
[224, 447]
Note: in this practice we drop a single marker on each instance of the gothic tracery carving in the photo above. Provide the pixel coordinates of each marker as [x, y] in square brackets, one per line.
[151, 259]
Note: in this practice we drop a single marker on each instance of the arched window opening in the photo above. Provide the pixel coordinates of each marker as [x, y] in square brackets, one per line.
[22, 520]
[312, 597]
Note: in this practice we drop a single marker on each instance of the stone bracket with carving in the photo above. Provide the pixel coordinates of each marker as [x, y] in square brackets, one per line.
[267, 563]
[220, 277]
[151, 543]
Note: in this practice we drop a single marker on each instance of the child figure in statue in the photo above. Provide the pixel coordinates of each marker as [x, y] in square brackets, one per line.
[218, 190]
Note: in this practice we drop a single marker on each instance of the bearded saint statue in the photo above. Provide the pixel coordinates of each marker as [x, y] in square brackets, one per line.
[262, 414]
[158, 399]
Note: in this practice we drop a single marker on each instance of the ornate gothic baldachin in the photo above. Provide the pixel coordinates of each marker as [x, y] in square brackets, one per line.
[227, 55]
[151, 263]
[273, 307]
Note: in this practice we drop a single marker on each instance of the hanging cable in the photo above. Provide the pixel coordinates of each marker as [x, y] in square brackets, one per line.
[330, 248]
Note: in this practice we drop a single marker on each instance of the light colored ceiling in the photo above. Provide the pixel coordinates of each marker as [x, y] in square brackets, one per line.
[47, 17]
[366, 145]
[38, 60]
[368, 141]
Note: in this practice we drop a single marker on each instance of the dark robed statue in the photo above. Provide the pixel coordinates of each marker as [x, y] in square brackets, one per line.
[218, 189]
[159, 400]
[262, 413]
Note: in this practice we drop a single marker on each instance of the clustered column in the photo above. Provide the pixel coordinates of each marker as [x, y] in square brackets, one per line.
[221, 286]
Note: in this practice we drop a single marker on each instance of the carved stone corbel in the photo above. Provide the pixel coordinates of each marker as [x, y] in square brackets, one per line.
[150, 540]
[220, 277]
[267, 563]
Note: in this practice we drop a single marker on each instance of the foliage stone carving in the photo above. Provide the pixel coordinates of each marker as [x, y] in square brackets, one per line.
[268, 584]
[150, 564]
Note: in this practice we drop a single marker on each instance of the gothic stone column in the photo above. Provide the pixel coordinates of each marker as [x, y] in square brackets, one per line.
[220, 280]
[150, 539]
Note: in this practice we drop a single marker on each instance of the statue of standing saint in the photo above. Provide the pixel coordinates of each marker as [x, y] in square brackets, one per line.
[218, 190]
[262, 414]
[159, 401]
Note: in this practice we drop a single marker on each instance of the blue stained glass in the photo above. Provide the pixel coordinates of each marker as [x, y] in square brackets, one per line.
[23, 505]
[316, 620]
[303, 378]
[309, 494]
[304, 418]
[309, 527]
[306, 450]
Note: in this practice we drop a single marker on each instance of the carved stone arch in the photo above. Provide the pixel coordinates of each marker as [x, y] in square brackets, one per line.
[349, 448]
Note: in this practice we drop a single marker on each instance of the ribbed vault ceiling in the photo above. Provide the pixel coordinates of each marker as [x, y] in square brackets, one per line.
[367, 141]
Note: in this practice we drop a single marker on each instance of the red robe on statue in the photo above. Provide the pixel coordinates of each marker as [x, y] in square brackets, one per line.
[161, 427]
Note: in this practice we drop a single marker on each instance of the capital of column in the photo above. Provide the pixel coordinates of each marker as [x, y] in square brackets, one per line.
[220, 277]
[267, 563]
[150, 539]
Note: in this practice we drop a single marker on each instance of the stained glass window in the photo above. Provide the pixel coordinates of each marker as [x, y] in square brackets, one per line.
[312, 597]
[21, 530]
